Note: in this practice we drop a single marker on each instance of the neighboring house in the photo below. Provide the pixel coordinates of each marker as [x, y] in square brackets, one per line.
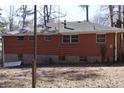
[65, 42]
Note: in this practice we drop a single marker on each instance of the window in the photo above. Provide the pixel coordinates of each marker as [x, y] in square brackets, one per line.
[20, 57]
[31, 37]
[100, 38]
[62, 58]
[20, 37]
[83, 58]
[48, 38]
[66, 39]
[70, 39]
[74, 38]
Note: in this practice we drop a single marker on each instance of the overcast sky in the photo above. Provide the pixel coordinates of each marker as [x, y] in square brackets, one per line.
[74, 12]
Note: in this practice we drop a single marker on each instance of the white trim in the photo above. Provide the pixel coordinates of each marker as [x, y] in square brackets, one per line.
[122, 37]
[67, 32]
[70, 40]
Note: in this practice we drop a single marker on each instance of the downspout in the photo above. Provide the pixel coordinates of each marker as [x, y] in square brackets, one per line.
[115, 57]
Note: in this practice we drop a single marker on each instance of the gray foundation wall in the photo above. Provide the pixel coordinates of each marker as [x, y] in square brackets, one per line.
[50, 59]
[27, 58]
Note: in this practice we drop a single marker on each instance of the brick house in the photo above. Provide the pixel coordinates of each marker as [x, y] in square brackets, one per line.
[62, 43]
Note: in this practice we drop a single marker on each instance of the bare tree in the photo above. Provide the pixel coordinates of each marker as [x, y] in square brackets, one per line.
[23, 12]
[100, 19]
[2, 21]
[49, 13]
[11, 18]
[119, 12]
[111, 14]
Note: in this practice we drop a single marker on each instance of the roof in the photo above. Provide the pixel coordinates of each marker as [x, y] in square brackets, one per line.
[76, 27]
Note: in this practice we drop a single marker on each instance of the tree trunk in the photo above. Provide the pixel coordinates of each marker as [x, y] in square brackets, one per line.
[87, 13]
[119, 12]
[111, 14]
[44, 14]
[24, 15]
[11, 18]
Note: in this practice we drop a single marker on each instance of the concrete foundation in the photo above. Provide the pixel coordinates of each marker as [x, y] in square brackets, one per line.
[27, 58]
[11, 57]
[51, 59]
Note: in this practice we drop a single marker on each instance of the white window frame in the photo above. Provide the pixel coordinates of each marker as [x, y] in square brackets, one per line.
[70, 39]
[63, 39]
[77, 38]
[100, 38]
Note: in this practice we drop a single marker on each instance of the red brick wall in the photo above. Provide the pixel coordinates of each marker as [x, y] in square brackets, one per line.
[87, 45]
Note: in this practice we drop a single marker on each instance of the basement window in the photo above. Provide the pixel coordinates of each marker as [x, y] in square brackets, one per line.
[20, 37]
[20, 57]
[62, 58]
[83, 58]
[100, 38]
[47, 38]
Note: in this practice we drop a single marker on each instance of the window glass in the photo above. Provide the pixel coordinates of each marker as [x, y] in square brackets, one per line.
[74, 38]
[66, 39]
[20, 37]
[100, 38]
[62, 58]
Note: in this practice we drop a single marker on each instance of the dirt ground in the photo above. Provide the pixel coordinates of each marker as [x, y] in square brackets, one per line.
[64, 77]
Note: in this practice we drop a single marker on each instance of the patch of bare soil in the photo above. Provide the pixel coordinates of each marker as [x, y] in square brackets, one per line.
[64, 77]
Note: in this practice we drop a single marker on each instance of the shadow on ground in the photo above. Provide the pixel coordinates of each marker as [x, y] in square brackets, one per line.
[70, 75]
[116, 64]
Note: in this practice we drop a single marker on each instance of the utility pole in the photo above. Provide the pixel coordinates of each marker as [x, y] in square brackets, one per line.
[123, 16]
[35, 49]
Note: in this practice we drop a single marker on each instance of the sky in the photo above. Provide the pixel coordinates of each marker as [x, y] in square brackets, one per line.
[73, 12]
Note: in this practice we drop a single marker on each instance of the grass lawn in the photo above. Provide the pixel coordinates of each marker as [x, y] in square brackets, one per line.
[64, 77]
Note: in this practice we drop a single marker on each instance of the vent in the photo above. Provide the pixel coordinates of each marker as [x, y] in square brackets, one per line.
[65, 23]
[79, 21]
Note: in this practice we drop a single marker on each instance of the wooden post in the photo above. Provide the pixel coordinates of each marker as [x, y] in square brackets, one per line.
[35, 49]
[2, 61]
[123, 16]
